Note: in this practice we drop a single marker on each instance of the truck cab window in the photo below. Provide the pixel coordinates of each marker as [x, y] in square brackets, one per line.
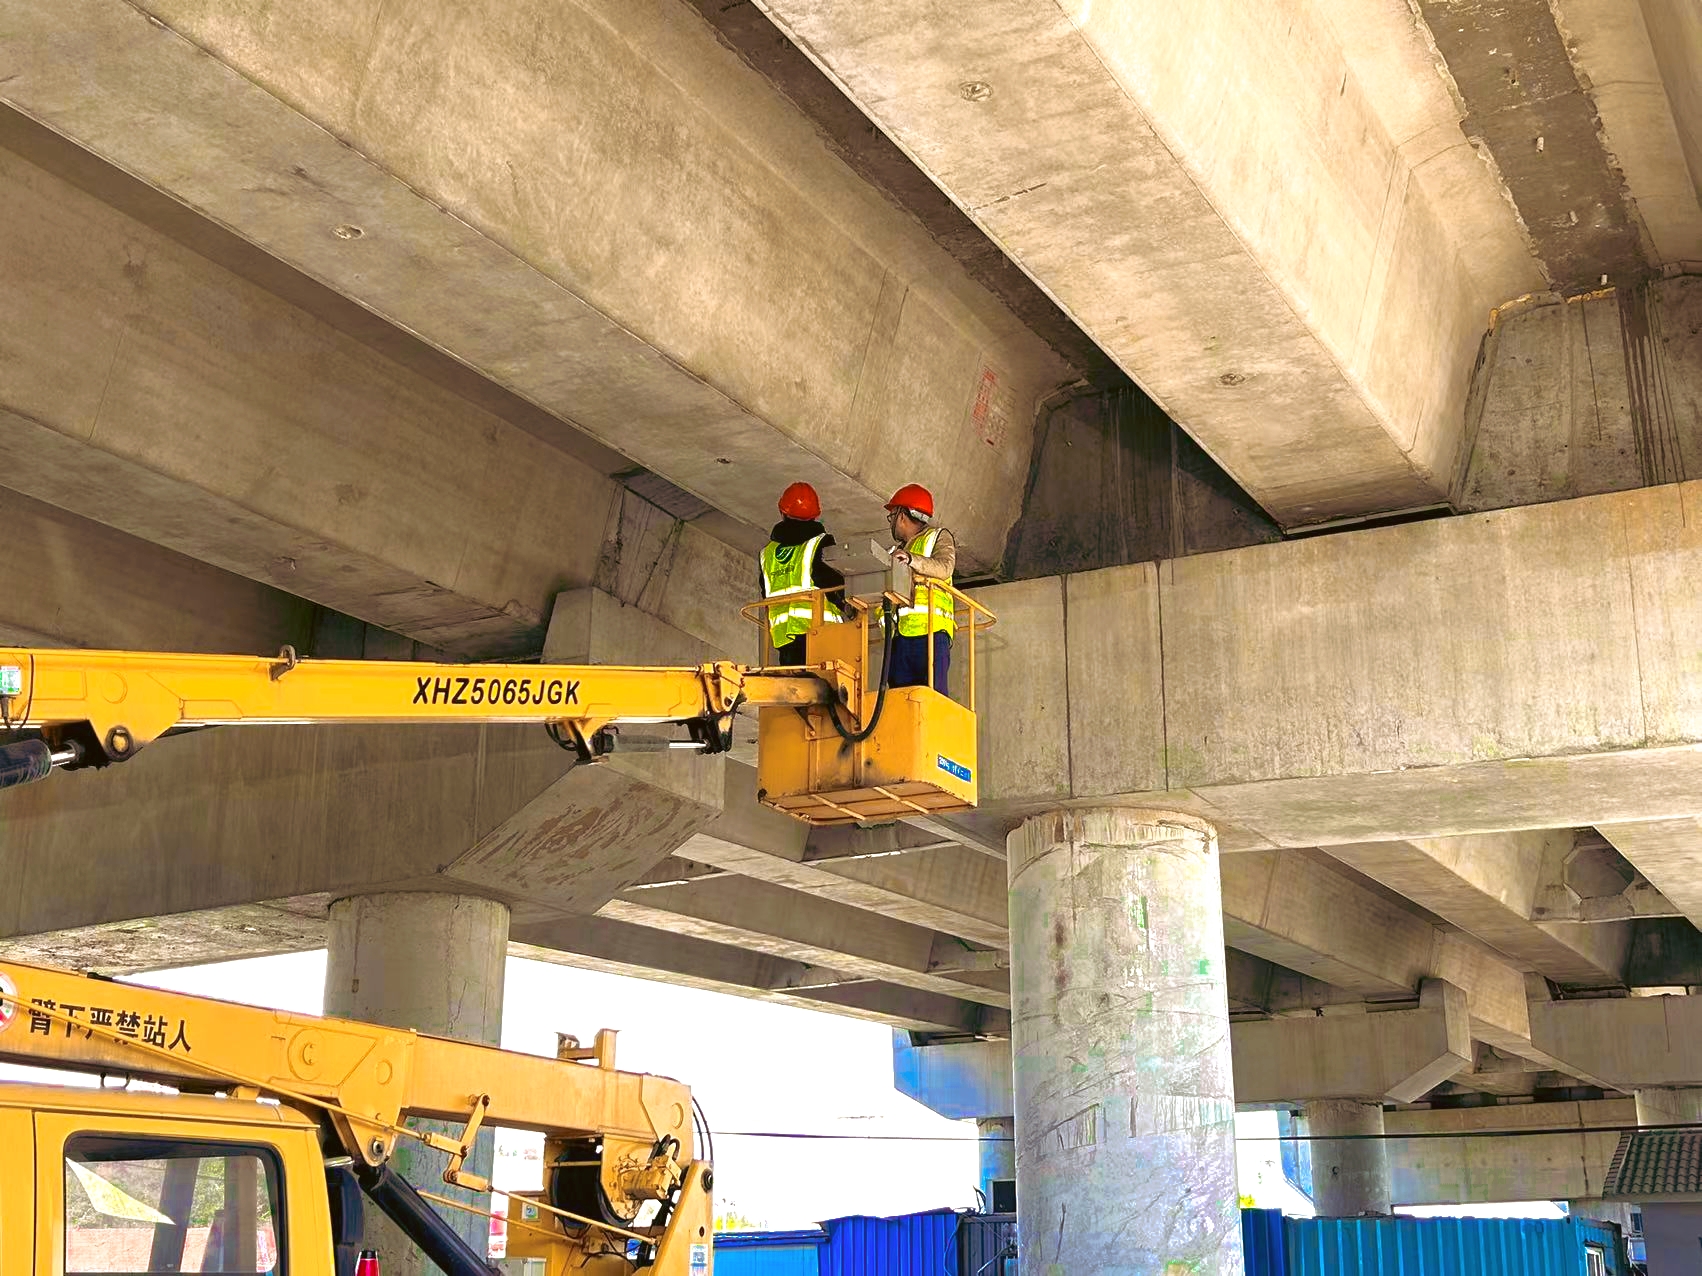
[135, 1206]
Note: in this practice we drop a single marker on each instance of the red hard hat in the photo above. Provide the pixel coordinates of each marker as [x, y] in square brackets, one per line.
[913, 496]
[800, 501]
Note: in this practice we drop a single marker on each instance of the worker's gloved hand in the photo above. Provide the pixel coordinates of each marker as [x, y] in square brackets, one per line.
[901, 556]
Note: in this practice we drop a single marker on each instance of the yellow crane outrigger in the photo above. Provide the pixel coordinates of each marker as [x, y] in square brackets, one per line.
[835, 746]
[311, 1092]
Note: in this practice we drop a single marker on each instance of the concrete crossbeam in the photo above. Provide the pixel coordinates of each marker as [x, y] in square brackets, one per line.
[1398, 1055]
[1488, 885]
[1391, 684]
[1272, 308]
[1631, 1042]
[697, 197]
[1564, 1161]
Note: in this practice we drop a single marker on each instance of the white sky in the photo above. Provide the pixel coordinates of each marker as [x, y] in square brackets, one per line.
[754, 1066]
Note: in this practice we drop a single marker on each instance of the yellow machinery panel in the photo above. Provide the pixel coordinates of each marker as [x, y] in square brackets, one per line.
[919, 760]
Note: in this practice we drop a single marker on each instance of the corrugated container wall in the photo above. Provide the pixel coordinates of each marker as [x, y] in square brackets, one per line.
[769, 1254]
[1443, 1247]
[911, 1245]
[1262, 1242]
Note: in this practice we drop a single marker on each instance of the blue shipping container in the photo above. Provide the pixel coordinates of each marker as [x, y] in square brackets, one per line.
[931, 1244]
[1403, 1246]
[910, 1245]
[769, 1253]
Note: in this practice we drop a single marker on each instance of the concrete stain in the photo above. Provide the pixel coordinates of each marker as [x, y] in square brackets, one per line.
[1654, 427]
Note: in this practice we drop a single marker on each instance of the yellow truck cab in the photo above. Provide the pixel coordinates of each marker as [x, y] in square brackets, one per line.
[267, 1138]
[113, 1181]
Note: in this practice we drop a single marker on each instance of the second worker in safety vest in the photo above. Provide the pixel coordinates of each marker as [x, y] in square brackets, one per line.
[792, 568]
[931, 554]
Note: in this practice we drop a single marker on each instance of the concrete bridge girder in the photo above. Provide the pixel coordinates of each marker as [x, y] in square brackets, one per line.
[647, 322]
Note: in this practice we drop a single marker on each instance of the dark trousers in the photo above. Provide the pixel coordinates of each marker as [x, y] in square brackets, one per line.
[910, 660]
[790, 653]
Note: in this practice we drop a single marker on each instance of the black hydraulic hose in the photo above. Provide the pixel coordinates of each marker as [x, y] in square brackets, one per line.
[845, 732]
[424, 1226]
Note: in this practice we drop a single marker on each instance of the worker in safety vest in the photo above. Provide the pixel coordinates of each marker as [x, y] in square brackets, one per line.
[931, 554]
[792, 567]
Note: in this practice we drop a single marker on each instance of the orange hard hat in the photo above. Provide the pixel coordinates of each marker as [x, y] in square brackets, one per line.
[799, 500]
[913, 496]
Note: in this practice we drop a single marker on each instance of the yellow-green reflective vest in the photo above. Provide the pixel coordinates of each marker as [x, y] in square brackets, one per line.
[788, 571]
[913, 620]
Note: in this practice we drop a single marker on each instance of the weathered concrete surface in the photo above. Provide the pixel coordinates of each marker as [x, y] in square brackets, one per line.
[1124, 1090]
[1508, 63]
[1669, 854]
[1675, 31]
[893, 870]
[1350, 1178]
[1399, 1055]
[1632, 1042]
[859, 945]
[1621, 69]
[71, 582]
[1489, 885]
[1114, 481]
[433, 963]
[1403, 682]
[1533, 1167]
[598, 206]
[1298, 271]
[434, 518]
[1668, 1105]
[229, 817]
[1601, 394]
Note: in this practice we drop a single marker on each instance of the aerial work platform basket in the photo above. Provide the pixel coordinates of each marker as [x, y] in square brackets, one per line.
[874, 753]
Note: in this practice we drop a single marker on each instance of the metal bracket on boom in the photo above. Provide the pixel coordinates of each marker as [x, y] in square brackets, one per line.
[460, 1149]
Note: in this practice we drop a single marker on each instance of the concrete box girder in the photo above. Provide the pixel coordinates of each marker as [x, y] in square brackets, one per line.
[1488, 885]
[1280, 266]
[71, 582]
[596, 205]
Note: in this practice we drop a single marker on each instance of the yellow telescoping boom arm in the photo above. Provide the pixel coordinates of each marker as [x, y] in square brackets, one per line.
[613, 1140]
[835, 745]
[90, 708]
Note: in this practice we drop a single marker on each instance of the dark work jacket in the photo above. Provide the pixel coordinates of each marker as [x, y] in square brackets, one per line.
[797, 531]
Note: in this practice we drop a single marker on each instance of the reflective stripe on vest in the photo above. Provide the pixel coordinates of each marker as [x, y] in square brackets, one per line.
[789, 571]
[913, 620]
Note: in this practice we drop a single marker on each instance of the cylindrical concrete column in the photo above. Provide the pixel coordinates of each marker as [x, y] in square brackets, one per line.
[1125, 1106]
[998, 1152]
[1351, 1177]
[433, 963]
[1680, 1106]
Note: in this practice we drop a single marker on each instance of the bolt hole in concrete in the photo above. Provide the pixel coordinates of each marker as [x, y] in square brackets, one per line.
[1232, 378]
[723, 460]
[975, 90]
[346, 231]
